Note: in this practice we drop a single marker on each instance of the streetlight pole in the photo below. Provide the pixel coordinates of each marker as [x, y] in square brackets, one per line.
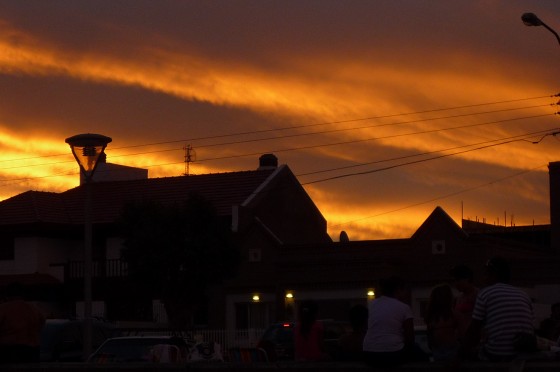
[531, 19]
[87, 148]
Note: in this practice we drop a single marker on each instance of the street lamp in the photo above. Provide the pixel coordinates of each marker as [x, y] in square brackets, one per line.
[87, 148]
[531, 19]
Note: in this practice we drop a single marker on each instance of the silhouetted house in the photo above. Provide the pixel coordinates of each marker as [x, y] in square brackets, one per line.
[41, 233]
[288, 256]
[341, 274]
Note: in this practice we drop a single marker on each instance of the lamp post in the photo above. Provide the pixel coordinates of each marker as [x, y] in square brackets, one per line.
[531, 19]
[87, 148]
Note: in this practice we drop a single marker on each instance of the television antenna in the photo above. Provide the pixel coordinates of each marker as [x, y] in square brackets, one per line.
[190, 156]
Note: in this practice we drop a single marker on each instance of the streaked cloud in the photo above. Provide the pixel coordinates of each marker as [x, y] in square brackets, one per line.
[165, 74]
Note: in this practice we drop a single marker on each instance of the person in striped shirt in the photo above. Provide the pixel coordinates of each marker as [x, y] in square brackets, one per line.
[502, 313]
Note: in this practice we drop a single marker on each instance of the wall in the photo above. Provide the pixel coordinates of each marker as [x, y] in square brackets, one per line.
[36, 254]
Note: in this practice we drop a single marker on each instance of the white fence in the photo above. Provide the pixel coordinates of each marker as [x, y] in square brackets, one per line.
[226, 338]
[229, 338]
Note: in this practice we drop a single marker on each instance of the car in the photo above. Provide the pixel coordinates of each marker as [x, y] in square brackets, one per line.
[143, 349]
[62, 339]
[278, 339]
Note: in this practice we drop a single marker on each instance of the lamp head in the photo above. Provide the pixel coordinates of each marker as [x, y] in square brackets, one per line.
[531, 19]
[87, 148]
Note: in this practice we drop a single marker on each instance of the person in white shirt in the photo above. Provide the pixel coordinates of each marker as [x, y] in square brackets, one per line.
[389, 339]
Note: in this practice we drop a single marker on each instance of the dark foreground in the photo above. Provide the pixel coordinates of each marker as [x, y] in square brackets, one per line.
[526, 366]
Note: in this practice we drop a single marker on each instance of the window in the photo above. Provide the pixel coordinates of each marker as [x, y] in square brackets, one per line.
[7, 248]
[438, 246]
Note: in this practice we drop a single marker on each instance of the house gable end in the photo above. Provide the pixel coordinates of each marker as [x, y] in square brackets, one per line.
[283, 205]
[438, 234]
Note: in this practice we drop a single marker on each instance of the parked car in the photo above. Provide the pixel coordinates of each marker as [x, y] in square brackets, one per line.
[278, 339]
[62, 339]
[144, 349]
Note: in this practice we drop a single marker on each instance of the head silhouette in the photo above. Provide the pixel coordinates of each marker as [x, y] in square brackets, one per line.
[307, 316]
[498, 271]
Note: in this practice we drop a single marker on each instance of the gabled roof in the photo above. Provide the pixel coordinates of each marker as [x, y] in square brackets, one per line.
[223, 190]
[439, 219]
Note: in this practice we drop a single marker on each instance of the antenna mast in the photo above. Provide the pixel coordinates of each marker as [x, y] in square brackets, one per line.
[190, 156]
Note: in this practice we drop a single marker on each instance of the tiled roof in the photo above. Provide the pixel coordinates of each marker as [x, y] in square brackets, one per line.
[32, 206]
[223, 190]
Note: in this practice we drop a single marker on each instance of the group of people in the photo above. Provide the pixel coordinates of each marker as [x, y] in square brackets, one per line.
[494, 323]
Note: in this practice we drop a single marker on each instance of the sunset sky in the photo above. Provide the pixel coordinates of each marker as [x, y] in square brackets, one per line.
[383, 109]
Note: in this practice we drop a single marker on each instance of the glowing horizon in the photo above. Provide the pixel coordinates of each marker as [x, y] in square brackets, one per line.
[150, 85]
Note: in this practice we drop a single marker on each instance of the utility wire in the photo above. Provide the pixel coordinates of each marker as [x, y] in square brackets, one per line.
[462, 191]
[365, 127]
[507, 139]
[306, 126]
[313, 133]
[517, 138]
[545, 132]
[347, 121]
[407, 163]
[375, 138]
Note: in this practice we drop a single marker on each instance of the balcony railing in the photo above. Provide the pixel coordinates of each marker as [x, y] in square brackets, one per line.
[100, 269]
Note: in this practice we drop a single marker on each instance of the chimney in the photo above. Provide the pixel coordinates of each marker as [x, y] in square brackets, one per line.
[554, 180]
[268, 161]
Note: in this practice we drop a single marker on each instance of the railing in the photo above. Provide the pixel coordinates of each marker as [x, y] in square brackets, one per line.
[100, 269]
[240, 338]
[229, 338]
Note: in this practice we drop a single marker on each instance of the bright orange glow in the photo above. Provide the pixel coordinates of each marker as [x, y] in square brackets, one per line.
[179, 86]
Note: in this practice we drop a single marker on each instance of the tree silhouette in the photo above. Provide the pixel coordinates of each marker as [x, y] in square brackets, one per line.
[176, 251]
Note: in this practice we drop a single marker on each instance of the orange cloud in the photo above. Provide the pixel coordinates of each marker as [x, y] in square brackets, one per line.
[318, 87]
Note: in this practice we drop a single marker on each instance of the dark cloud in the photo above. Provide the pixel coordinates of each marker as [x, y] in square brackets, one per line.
[124, 111]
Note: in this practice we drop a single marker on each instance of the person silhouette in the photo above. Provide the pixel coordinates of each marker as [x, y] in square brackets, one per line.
[504, 312]
[464, 303]
[20, 328]
[442, 324]
[309, 333]
[389, 339]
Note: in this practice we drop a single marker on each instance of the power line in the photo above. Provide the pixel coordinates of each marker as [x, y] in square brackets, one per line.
[310, 125]
[377, 138]
[20, 180]
[407, 163]
[518, 138]
[348, 121]
[504, 141]
[314, 133]
[462, 191]
[367, 127]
